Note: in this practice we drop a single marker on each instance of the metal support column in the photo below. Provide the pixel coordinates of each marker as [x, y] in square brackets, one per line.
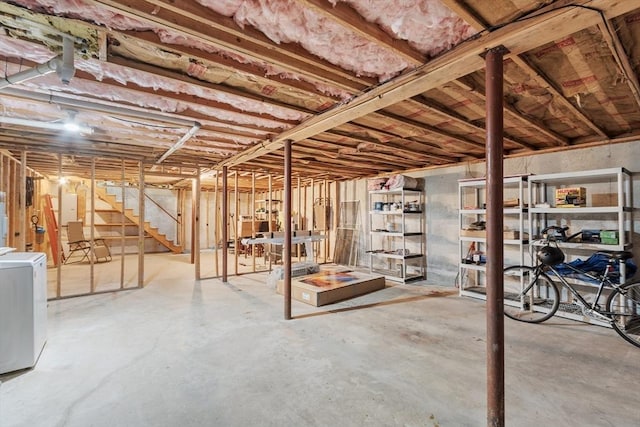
[225, 220]
[286, 257]
[495, 241]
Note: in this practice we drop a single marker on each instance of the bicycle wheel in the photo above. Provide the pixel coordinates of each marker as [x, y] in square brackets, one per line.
[624, 304]
[529, 297]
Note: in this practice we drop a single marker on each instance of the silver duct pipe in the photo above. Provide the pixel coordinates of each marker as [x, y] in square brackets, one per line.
[66, 70]
[61, 64]
[95, 106]
[180, 142]
[107, 108]
[58, 126]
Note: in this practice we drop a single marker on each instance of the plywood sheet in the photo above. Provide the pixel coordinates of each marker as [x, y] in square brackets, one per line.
[330, 286]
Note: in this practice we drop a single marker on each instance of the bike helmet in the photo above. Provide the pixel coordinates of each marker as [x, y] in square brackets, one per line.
[550, 255]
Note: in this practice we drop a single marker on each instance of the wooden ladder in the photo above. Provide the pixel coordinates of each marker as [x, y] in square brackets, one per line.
[52, 231]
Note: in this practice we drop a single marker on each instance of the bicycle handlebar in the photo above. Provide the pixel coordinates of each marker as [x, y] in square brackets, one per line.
[554, 227]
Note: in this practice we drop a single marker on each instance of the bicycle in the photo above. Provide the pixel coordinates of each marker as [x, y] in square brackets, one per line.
[531, 295]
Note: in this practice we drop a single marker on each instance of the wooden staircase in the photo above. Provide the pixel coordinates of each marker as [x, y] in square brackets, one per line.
[128, 213]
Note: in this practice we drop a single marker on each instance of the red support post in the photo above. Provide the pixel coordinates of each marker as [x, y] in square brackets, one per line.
[495, 241]
[287, 230]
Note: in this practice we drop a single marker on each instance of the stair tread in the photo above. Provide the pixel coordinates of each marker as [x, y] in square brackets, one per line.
[129, 213]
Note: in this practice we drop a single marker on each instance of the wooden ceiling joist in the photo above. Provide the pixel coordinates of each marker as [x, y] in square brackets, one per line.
[545, 82]
[546, 25]
[349, 18]
[198, 22]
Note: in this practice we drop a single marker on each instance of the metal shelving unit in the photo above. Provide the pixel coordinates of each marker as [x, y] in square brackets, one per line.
[472, 197]
[396, 234]
[617, 216]
[614, 180]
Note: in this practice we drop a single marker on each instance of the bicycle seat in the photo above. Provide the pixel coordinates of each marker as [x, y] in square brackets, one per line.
[618, 255]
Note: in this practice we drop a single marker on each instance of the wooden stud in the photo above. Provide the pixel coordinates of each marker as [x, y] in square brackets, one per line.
[286, 256]
[216, 227]
[196, 221]
[92, 284]
[22, 205]
[225, 220]
[235, 219]
[207, 219]
[253, 220]
[123, 220]
[59, 248]
[141, 245]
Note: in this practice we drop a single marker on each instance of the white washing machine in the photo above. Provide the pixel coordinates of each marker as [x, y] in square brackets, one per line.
[23, 309]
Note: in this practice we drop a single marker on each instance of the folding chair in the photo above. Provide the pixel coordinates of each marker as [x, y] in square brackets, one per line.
[78, 243]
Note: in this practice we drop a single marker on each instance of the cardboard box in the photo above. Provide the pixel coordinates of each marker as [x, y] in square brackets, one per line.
[571, 196]
[506, 235]
[514, 235]
[604, 199]
[609, 237]
[330, 286]
[473, 233]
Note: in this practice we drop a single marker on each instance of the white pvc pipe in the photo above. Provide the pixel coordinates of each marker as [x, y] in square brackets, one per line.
[95, 106]
[42, 125]
[61, 64]
[180, 142]
[40, 70]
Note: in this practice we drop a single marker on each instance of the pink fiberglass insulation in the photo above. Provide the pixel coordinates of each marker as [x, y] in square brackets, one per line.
[156, 102]
[287, 21]
[115, 94]
[16, 48]
[92, 12]
[85, 10]
[12, 47]
[428, 25]
[101, 70]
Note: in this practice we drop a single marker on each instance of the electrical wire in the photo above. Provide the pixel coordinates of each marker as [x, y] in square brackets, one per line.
[145, 124]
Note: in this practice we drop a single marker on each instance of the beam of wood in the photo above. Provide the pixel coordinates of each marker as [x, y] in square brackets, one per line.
[346, 16]
[518, 38]
[365, 160]
[546, 83]
[189, 98]
[463, 11]
[427, 130]
[515, 114]
[195, 54]
[430, 106]
[308, 163]
[621, 58]
[380, 154]
[22, 206]
[199, 22]
[479, 24]
[435, 151]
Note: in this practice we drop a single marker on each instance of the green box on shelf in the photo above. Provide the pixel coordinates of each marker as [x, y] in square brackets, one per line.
[609, 237]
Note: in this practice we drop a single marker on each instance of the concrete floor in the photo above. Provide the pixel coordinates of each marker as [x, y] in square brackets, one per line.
[123, 272]
[181, 353]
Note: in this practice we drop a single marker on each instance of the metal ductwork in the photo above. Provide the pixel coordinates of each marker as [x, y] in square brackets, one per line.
[61, 65]
[66, 70]
[180, 143]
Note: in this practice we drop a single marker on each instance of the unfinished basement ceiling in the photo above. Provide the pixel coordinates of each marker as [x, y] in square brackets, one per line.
[360, 87]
